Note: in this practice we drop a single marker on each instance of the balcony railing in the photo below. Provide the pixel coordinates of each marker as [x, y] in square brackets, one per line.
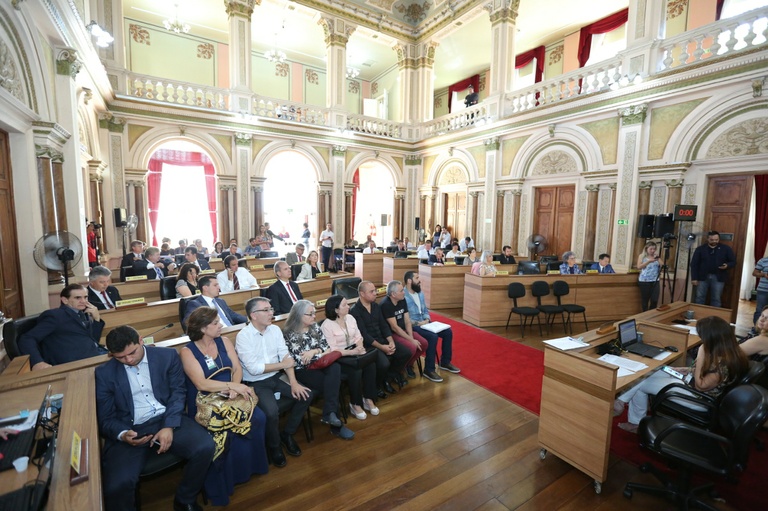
[467, 118]
[374, 126]
[288, 111]
[725, 37]
[177, 93]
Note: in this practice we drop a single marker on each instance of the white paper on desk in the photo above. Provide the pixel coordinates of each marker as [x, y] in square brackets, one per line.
[623, 363]
[623, 372]
[566, 343]
[29, 423]
[691, 329]
[435, 327]
[662, 355]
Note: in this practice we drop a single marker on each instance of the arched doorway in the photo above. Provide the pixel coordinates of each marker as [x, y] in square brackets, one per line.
[373, 204]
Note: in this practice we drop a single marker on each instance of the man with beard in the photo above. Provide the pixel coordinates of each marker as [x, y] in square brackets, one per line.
[419, 314]
[709, 269]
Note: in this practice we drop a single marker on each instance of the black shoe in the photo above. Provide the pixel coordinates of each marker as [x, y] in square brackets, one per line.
[409, 371]
[389, 388]
[178, 506]
[433, 376]
[291, 447]
[277, 456]
[450, 368]
[401, 382]
[381, 394]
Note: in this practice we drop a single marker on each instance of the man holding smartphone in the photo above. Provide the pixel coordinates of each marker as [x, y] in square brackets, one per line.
[234, 278]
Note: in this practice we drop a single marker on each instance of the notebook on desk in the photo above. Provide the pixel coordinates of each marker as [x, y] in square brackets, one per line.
[21, 444]
[629, 342]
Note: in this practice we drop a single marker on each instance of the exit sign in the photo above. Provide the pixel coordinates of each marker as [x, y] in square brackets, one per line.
[622, 222]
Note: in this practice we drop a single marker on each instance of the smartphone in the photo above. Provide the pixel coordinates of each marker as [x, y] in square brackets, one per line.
[672, 372]
[352, 347]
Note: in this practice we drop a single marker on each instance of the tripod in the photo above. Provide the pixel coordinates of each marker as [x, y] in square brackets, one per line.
[664, 270]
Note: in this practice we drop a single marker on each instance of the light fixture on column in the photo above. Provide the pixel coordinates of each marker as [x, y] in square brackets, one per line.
[352, 73]
[103, 38]
[175, 24]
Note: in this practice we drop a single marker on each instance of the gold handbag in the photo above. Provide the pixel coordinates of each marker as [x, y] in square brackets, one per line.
[220, 414]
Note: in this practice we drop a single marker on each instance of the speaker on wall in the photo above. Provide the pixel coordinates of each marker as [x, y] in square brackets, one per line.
[417, 223]
[664, 225]
[645, 225]
[121, 217]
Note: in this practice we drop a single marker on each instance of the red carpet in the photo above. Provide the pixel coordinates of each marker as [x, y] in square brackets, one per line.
[515, 372]
[504, 367]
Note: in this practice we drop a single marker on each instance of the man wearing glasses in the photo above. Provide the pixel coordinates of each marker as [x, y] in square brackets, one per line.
[264, 356]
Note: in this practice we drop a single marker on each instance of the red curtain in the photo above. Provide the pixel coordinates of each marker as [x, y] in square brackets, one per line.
[182, 159]
[524, 59]
[761, 215]
[602, 26]
[355, 189]
[474, 81]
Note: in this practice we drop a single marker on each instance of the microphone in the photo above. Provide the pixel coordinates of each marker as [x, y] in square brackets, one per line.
[169, 325]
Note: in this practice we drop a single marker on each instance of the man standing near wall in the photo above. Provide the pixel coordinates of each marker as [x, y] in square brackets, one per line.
[709, 266]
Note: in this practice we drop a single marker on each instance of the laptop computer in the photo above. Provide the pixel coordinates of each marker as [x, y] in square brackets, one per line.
[22, 443]
[33, 496]
[629, 342]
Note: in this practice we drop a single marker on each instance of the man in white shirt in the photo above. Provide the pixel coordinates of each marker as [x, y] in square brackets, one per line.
[326, 241]
[445, 239]
[264, 356]
[209, 297]
[466, 244]
[425, 250]
[235, 278]
[371, 248]
[408, 244]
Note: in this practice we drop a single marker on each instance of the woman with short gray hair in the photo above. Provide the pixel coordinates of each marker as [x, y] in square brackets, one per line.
[569, 266]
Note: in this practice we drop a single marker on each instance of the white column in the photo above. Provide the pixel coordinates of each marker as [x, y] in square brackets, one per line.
[337, 32]
[239, 13]
[503, 15]
[243, 157]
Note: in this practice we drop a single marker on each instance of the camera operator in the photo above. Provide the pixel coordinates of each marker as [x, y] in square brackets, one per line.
[709, 269]
[94, 235]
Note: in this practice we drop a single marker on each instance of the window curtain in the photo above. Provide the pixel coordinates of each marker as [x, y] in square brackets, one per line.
[761, 215]
[355, 189]
[602, 26]
[524, 59]
[474, 81]
[181, 159]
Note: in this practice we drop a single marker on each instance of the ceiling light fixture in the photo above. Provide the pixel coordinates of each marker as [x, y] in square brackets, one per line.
[352, 73]
[103, 38]
[276, 56]
[175, 24]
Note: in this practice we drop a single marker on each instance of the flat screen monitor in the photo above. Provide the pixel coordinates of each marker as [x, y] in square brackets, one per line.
[627, 332]
[528, 267]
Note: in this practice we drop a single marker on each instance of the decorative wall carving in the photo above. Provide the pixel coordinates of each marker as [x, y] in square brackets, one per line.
[354, 87]
[452, 175]
[438, 102]
[374, 87]
[139, 35]
[746, 138]
[311, 77]
[205, 51]
[9, 77]
[556, 55]
[634, 114]
[675, 8]
[281, 69]
[414, 12]
[554, 162]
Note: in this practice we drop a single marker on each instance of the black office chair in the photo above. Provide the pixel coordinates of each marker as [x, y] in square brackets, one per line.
[126, 271]
[402, 254]
[561, 288]
[346, 287]
[672, 403]
[539, 289]
[742, 411]
[168, 288]
[586, 265]
[295, 270]
[183, 310]
[267, 253]
[547, 259]
[391, 249]
[12, 332]
[337, 260]
[516, 290]
[554, 265]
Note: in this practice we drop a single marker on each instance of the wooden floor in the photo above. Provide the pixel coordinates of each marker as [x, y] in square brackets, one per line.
[446, 446]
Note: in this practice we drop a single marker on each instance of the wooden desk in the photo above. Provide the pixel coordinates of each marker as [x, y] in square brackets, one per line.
[606, 297]
[371, 266]
[394, 268]
[577, 397]
[443, 286]
[147, 289]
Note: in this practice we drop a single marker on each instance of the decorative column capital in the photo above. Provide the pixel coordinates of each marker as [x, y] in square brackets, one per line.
[633, 114]
[243, 139]
[474, 194]
[413, 159]
[226, 188]
[111, 123]
[347, 194]
[256, 189]
[674, 183]
[243, 8]
[492, 144]
[406, 56]
[612, 186]
[501, 193]
[67, 63]
[339, 150]
[337, 31]
[517, 192]
[135, 183]
[96, 169]
[592, 188]
[502, 10]
[49, 153]
[16, 4]
[645, 185]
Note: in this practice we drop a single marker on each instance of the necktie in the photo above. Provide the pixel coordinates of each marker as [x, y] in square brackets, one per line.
[236, 282]
[223, 316]
[106, 300]
[159, 273]
[300, 259]
[290, 292]
[83, 319]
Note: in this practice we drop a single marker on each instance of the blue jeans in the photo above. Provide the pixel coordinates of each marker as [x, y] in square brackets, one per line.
[432, 338]
[762, 301]
[715, 289]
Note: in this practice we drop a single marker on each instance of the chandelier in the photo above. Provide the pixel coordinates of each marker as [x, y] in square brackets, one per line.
[276, 56]
[175, 24]
[352, 73]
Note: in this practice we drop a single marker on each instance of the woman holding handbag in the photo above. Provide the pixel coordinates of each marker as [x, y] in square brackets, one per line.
[212, 369]
[315, 362]
[340, 330]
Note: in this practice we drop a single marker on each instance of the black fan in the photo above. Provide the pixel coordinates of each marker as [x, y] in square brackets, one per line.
[56, 251]
[537, 244]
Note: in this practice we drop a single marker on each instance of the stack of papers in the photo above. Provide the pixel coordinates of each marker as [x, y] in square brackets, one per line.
[691, 329]
[567, 343]
[626, 366]
[435, 327]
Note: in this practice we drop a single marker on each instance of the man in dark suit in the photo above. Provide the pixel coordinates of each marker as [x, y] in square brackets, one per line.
[292, 258]
[506, 255]
[209, 297]
[137, 252]
[472, 98]
[603, 265]
[437, 258]
[68, 333]
[151, 265]
[283, 293]
[140, 399]
[100, 293]
[191, 256]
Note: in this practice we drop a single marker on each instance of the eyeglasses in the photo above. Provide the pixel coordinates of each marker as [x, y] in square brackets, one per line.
[311, 314]
[271, 309]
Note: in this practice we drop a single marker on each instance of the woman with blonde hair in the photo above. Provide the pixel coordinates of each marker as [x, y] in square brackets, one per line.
[484, 267]
[648, 264]
[311, 268]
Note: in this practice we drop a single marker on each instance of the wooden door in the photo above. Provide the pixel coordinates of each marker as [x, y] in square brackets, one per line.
[553, 217]
[455, 213]
[727, 211]
[11, 298]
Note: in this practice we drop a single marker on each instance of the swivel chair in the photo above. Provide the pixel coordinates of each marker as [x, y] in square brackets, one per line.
[168, 288]
[346, 287]
[12, 332]
[295, 270]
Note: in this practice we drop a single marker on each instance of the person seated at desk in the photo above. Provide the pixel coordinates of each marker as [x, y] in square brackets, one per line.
[136, 253]
[218, 249]
[191, 255]
[506, 256]
[152, 266]
[233, 250]
[239, 454]
[66, 334]
[408, 244]
[181, 248]
[311, 268]
[166, 250]
[283, 293]
[445, 239]
[756, 346]
[100, 293]
[484, 267]
[437, 259]
[425, 250]
[454, 252]
[253, 249]
[569, 266]
[370, 248]
[466, 244]
[186, 281]
[719, 362]
[471, 257]
[209, 297]
[296, 257]
[261, 348]
[140, 398]
[202, 251]
[234, 277]
[603, 265]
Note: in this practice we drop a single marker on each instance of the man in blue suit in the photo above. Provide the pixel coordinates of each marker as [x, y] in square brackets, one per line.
[62, 335]
[603, 265]
[209, 297]
[140, 398]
